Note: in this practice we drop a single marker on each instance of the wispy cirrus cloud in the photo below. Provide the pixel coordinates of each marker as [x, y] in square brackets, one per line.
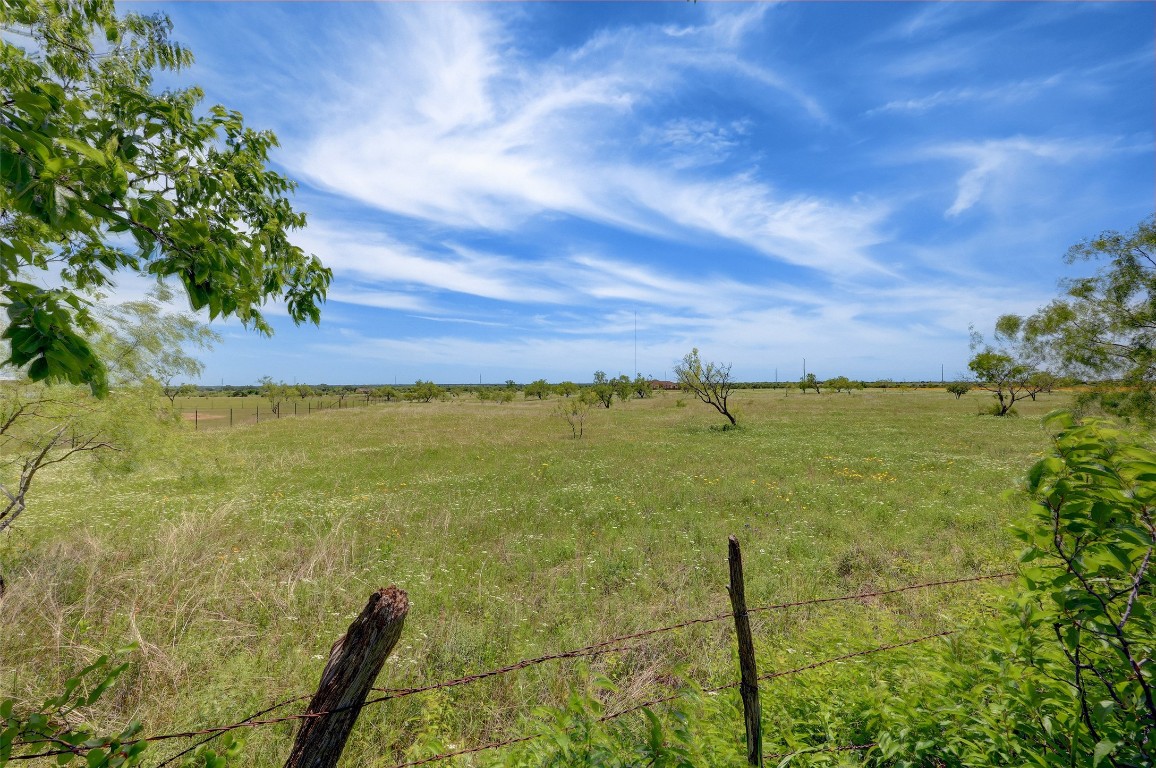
[483, 139]
[502, 189]
[1014, 92]
[994, 161]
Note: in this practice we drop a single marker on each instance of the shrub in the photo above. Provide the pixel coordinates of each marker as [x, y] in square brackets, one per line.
[958, 388]
[1065, 676]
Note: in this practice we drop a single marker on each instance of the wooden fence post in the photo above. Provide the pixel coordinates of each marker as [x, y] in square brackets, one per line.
[749, 687]
[354, 662]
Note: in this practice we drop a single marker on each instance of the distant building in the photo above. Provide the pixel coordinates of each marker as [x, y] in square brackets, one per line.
[660, 384]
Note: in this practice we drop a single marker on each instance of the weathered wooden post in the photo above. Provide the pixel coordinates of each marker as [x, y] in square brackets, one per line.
[354, 662]
[749, 687]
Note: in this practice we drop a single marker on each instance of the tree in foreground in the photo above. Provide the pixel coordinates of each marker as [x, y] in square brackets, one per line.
[385, 393]
[42, 425]
[101, 175]
[1064, 675]
[623, 387]
[1104, 328]
[710, 382]
[641, 387]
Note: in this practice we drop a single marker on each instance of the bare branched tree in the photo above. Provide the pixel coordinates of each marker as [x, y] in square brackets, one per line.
[710, 382]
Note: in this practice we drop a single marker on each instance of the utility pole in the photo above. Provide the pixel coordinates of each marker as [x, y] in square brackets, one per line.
[636, 342]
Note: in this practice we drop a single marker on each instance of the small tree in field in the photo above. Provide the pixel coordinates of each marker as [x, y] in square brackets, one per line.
[602, 389]
[276, 392]
[1009, 370]
[425, 392]
[574, 411]
[623, 387]
[538, 388]
[1002, 376]
[710, 382]
[641, 387]
[958, 388]
[843, 384]
[810, 381]
[567, 388]
[385, 393]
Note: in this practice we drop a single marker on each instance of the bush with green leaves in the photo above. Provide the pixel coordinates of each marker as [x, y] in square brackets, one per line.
[602, 390]
[425, 392]
[1065, 676]
[958, 388]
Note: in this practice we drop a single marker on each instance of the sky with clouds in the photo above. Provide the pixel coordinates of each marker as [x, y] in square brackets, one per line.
[525, 190]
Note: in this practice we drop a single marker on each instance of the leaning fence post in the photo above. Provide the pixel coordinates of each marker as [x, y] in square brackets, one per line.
[354, 662]
[749, 687]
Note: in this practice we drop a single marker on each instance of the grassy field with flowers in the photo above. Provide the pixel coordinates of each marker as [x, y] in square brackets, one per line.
[233, 558]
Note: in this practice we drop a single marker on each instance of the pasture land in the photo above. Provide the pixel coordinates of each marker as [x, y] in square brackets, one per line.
[234, 558]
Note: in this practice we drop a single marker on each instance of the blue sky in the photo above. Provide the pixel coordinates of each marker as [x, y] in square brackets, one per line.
[508, 190]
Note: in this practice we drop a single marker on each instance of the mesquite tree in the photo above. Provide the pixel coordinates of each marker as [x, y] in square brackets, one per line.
[709, 382]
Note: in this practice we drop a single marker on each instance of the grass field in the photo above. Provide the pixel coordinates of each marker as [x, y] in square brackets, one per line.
[234, 558]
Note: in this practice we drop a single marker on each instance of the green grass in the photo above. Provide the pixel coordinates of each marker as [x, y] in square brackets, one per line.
[238, 556]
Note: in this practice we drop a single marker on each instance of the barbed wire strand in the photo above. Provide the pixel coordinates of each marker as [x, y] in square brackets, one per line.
[399, 692]
[679, 694]
[209, 738]
[251, 723]
[495, 745]
[593, 649]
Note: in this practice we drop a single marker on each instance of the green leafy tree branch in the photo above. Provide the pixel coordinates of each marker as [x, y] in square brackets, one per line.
[99, 174]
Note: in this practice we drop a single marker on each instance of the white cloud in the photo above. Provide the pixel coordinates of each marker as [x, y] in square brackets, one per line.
[802, 230]
[367, 258]
[469, 138]
[1001, 159]
[853, 333]
[1015, 92]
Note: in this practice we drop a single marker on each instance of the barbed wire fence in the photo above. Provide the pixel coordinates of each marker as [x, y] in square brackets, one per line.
[357, 657]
